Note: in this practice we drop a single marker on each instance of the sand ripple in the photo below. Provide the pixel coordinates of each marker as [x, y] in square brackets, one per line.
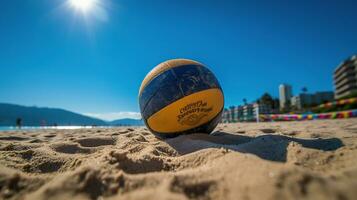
[297, 160]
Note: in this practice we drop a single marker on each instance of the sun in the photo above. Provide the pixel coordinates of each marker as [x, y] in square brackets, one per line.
[85, 6]
[89, 10]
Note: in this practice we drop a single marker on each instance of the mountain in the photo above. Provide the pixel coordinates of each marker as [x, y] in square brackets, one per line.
[127, 122]
[36, 116]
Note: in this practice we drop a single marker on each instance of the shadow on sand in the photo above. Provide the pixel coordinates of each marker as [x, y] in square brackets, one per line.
[269, 147]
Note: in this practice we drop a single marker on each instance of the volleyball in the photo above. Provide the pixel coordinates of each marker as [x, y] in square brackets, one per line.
[180, 96]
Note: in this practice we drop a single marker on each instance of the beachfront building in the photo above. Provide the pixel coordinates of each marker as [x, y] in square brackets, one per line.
[232, 114]
[240, 113]
[307, 100]
[263, 109]
[285, 94]
[323, 97]
[345, 78]
[237, 113]
[248, 112]
[244, 113]
[225, 116]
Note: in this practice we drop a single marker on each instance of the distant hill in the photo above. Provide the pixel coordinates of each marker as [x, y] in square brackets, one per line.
[36, 116]
[127, 122]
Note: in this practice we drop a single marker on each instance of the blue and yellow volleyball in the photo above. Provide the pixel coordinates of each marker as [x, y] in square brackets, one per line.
[180, 96]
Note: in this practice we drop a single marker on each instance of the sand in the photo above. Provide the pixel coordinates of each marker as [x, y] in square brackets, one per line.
[290, 160]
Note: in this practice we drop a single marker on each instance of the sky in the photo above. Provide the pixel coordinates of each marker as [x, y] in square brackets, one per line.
[53, 54]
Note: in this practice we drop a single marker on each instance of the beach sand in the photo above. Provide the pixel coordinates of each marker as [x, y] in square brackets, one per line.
[289, 160]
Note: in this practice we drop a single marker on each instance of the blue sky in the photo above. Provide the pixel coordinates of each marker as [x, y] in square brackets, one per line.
[55, 56]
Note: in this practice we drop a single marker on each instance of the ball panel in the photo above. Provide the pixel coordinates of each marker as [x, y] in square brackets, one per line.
[208, 127]
[163, 67]
[174, 84]
[160, 92]
[193, 78]
[187, 113]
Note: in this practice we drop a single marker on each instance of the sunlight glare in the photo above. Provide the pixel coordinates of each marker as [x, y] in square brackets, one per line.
[89, 11]
[84, 6]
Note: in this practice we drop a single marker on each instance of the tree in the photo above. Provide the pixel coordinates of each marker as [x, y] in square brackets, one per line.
[266, 99]
[304, 90]
[276, 104]
[245, 101]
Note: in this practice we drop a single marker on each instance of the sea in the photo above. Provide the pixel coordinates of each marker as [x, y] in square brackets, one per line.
[14, 128]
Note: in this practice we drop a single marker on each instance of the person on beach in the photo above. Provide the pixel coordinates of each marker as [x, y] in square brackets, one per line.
[18, 123]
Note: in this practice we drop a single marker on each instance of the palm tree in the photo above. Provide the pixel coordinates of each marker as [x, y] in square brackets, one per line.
[245, 101]
[304, 90]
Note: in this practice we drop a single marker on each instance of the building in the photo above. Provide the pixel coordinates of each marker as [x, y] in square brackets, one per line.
[263, 109]
[225, 116]
[232, 114]
[307, 100]
[285, 94]
[244, 113]
[345, 78]
[323, 97]
[239, 113]
[248, 112]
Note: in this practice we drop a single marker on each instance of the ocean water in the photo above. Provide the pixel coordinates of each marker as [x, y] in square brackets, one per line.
[14, 128]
